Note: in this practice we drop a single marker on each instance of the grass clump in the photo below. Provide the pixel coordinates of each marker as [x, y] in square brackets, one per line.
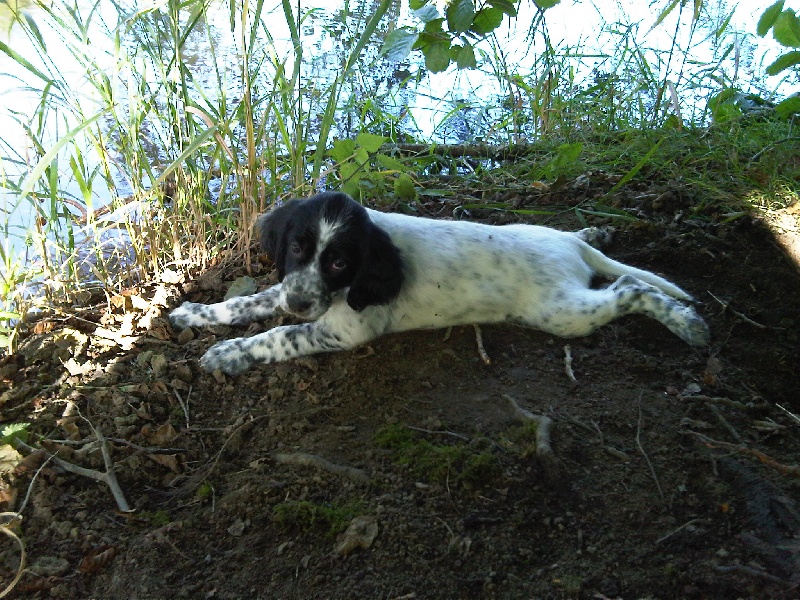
[307, 517]
[470, 466]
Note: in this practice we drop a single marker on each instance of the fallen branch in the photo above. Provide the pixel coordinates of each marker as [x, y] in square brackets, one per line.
[109, 477]
[303, 459]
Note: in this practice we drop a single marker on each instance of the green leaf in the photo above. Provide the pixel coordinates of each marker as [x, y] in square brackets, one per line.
[434, 27]
[487, 20]
[417, 4]
[404, 187]
[784, 61]
[427, 13]
[769, 17]
[459, 15]
[545, 4]
[14, 430]
[342, 150]
[390, 163]
[398, 44]
[788, 107]
[786, 30]
[465, 58]
[362, 156]
[241, 286]
[370, 142]
[437, 57]
[505, 6]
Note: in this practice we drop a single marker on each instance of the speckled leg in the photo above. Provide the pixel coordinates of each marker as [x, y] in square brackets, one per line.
[236, 311]
[580, 311]
[278, 344]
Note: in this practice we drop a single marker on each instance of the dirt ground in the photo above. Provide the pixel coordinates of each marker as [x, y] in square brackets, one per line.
[402, 470]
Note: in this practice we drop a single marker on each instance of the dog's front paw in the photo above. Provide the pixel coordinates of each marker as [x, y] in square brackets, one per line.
[190, 314]
[231, 357]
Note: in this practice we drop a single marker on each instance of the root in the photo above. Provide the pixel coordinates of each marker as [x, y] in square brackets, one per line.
[312, 460]
[544, 451]
[481, 350]
[568, 363]
[791, 470]
[738, 315]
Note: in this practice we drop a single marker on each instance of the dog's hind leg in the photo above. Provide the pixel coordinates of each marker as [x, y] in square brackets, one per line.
[579, 311]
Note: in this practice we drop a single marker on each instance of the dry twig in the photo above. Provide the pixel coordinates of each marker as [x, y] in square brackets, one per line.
[641, 449]
[440, 432]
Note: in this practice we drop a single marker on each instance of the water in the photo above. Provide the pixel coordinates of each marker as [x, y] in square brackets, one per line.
[450, 107]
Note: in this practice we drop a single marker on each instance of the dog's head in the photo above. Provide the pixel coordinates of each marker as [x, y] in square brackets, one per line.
[325, 244]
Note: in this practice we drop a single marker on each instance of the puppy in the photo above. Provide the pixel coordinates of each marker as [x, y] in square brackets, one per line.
[354, 274]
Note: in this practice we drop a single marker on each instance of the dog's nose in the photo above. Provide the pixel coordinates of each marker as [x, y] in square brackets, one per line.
[297, 304]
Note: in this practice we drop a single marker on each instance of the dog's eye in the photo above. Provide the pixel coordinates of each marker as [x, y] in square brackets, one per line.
[338, 264]
[295, 249]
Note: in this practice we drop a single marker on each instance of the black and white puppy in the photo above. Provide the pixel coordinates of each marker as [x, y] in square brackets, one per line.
[355, 274]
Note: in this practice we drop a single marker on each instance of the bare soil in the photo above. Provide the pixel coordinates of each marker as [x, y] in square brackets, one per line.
[676, 472]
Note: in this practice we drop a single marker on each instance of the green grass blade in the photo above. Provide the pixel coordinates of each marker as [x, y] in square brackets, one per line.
[51, 154]
[25, 63]
[190, 149]
[636, 168]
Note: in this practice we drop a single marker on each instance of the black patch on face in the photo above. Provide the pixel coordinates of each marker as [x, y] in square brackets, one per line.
[360, 255]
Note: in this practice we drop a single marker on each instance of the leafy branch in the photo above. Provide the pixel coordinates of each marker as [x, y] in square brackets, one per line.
[451, 38]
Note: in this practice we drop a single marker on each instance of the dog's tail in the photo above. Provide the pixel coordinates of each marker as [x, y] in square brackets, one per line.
[608, 267]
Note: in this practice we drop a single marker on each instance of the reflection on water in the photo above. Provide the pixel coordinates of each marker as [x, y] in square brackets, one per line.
[148, 61]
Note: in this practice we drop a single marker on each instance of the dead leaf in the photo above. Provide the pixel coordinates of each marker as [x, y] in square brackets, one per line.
[170, 276]
[163, 435]
[169, 461]
[140, 304]
[97, 559]
[120, 302]
[713, 369]
[9, 459]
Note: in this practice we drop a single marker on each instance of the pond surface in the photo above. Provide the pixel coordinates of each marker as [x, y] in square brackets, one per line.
[141, 49]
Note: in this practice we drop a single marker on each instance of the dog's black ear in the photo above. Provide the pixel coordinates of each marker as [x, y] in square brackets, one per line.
[272, 230]
[380, 272]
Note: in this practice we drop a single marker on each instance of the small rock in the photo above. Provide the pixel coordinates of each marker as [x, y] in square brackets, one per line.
[185, 336]
[359, 534]
[242, 286]
[237, 528]
[50, 566]
[183, 372]
[159, 365]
